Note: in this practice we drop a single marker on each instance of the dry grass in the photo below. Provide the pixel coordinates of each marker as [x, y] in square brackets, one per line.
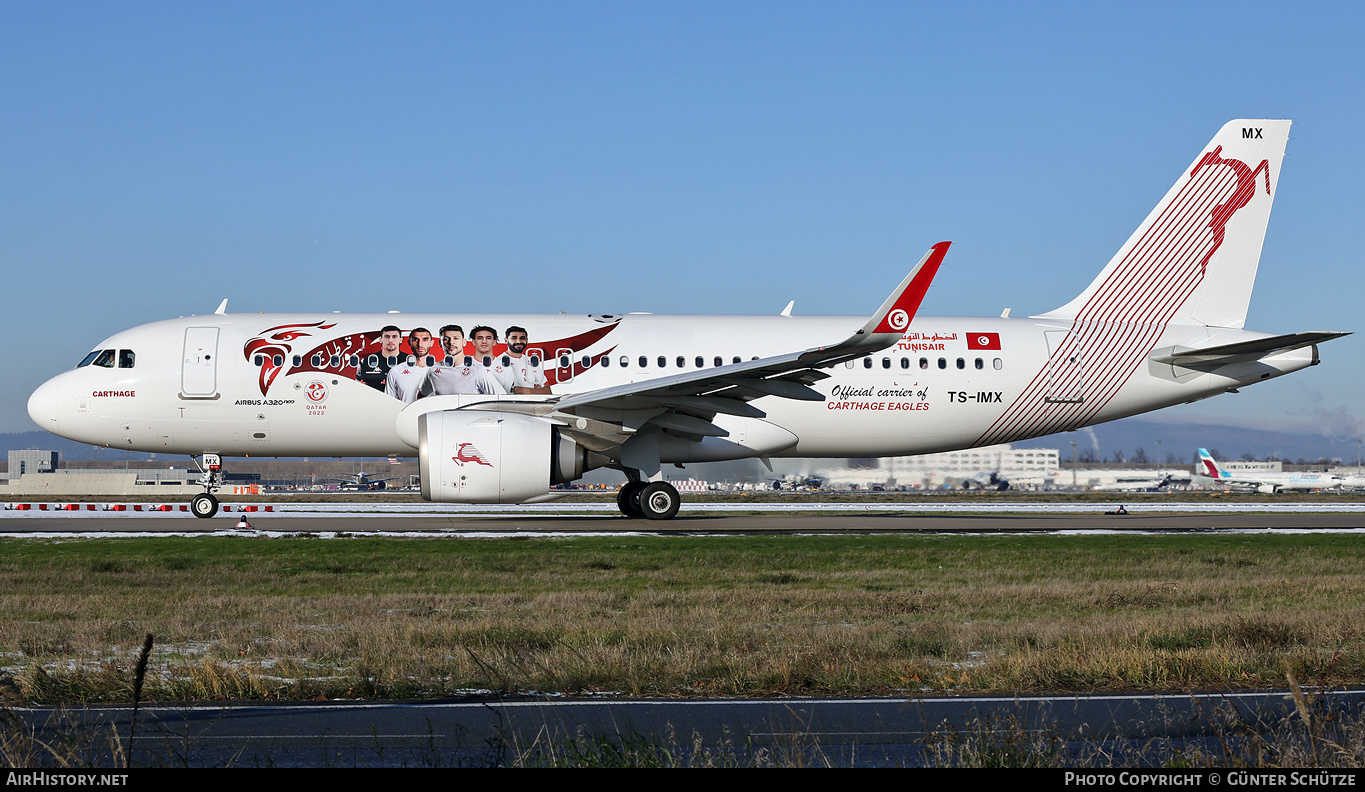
[735, 616]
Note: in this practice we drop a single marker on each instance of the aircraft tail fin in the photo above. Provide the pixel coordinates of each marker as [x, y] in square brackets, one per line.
[1194, 259]
[1210, 465]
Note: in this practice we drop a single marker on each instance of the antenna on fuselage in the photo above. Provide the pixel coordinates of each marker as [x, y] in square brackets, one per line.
[222, 308]
[788, 310]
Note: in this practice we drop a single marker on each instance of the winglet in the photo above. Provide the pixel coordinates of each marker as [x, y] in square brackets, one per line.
[895, 314]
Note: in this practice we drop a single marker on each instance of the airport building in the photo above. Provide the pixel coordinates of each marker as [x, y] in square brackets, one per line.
[975, 467]
[33, 473]
[31, 460]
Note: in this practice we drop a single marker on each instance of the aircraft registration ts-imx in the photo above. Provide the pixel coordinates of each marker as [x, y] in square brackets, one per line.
[499, 409]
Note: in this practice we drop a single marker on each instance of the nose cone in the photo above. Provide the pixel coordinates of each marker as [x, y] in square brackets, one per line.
[42, 406]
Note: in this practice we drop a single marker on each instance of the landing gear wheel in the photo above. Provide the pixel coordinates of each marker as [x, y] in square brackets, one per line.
[659, 501]
[204, 505]
[628, 499]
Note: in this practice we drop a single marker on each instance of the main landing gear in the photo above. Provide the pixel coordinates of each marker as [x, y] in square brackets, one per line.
[211, 478]
[655, 500]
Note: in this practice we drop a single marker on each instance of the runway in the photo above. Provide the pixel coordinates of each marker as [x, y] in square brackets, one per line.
[790, 522]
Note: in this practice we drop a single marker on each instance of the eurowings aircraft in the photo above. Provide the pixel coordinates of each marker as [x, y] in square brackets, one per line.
[1272, 482]
[502, 419]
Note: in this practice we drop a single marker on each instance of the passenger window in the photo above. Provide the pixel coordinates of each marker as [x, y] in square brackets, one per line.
[316, 360]
[719, 361]
[278, 360]
[962, 364]
[606, 362]
[924, 363]
[644, 362]
[353, 361]
[905, 363]
[259, 360]
[506, 361]
[867, 362]
[126, 358]
[943, 363]
[586, 361]
[663, 362]
[372, 361]
[625, 362]
[886, 362]
[735, 359]
[700, 361]
[980, 364]
[998, 363]
[682, 362]
[563, 361]
[848, 364]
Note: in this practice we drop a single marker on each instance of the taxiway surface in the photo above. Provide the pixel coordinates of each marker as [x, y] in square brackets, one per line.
[783, 522]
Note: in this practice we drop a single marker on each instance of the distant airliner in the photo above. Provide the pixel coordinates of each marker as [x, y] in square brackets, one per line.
[500, 408]
[360, 481]
[1273, 482]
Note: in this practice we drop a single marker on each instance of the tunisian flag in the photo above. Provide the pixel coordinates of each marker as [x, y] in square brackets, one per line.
[983, 340]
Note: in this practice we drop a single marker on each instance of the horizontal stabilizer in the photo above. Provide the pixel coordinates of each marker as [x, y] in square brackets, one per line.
[1243, 350]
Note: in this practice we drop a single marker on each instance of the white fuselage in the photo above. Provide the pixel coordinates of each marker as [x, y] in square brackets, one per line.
[1283, 481]
[209, 383]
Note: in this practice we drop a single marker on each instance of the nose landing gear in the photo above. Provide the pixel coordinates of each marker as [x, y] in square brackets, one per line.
[204, 505]
[210, 478]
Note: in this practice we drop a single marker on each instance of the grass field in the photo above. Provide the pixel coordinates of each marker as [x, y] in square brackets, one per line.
[299, 618]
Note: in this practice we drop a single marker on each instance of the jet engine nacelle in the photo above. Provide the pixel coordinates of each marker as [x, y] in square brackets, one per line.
[1266, 489]
[493, 457]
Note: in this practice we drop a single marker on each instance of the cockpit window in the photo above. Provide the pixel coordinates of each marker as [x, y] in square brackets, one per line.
[126, 358]
[88, 359]
[105, 358]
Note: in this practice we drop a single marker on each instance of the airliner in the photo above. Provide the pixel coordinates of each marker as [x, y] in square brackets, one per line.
[501, 408]
[361, 481]
[1269, 483]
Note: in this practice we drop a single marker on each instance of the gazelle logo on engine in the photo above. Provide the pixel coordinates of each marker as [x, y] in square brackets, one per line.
[468, 453]
[898, 319]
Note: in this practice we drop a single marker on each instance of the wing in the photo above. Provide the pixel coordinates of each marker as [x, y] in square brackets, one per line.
[685, 404]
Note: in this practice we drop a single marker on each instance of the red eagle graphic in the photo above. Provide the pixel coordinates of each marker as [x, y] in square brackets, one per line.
[274, 343]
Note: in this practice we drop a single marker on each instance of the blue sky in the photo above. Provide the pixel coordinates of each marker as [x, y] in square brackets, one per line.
[667, 157]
